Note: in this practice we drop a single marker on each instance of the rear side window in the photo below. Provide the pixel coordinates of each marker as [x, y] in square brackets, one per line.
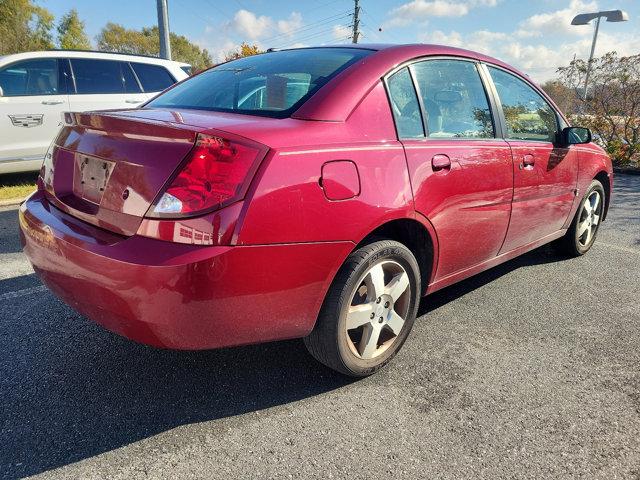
[272, 84]
[103, 76]
[32, 77]
[404, 105]
[153, 78]
[527, 114]
[455, 102]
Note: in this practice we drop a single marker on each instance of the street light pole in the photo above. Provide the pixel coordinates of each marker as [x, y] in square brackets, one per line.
[585, 19]
[593, 48]
[163, 29]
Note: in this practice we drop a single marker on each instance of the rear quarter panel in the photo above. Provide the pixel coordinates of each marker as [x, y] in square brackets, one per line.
[287, 204]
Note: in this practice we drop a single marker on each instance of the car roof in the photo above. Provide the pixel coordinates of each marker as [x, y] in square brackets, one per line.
[89, 54]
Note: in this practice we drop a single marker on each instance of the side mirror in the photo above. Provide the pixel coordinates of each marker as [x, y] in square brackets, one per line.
[575, 136]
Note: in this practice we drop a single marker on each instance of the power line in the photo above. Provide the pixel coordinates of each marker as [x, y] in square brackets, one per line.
[306, 27]
[309, 37]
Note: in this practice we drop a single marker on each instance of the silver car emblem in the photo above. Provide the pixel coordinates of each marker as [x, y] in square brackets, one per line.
[29, 120]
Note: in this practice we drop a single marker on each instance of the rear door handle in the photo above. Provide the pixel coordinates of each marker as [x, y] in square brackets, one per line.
[52, 102]
[133, 100]
[440, 162]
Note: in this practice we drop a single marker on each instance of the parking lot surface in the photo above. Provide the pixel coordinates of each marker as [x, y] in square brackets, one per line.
[529, 370]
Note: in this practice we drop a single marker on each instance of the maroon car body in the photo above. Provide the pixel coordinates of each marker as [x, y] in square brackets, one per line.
[326, 177]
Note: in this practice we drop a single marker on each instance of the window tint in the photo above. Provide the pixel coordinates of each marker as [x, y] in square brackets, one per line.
[103, 76]
[528, 115]
[404, 105]
[272, 84]
[32, 77]
[454, 99]
[153, 78]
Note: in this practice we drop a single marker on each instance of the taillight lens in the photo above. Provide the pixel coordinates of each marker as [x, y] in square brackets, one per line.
[216, 173]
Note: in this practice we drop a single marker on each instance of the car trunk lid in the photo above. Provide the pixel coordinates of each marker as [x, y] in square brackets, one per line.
[107, 169]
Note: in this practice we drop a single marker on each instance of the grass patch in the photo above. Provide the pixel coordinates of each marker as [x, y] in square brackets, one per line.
[17, 186]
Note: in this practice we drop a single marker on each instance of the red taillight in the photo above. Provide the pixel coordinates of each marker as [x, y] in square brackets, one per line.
[216, 173]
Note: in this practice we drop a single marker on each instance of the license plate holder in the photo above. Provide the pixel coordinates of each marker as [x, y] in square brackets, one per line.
[90, 178]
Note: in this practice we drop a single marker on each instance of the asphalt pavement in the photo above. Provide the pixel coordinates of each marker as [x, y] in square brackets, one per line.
[529, 370]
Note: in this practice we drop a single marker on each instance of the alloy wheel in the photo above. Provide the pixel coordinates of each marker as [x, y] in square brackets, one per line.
[378, 309]
[589, 218]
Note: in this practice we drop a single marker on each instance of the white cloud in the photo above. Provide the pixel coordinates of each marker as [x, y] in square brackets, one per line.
[422, 10]
[254, 27]
[341, 32]
[288, 26]
[559, 21]
[538, 58]
[250, 25]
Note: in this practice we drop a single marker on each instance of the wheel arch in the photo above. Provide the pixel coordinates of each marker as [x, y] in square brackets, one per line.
[603, 177]
[418, 235]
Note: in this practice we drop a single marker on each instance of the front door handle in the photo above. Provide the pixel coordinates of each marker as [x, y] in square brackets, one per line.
[440, 162]
[133, 100]
[52, 102]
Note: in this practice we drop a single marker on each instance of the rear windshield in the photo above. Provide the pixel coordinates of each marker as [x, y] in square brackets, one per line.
[273, 84]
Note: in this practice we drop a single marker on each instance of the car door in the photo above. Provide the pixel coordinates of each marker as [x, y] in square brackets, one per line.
[544, 175]
[153, 78]
[34, 94]
[104, 84]
[461, 171]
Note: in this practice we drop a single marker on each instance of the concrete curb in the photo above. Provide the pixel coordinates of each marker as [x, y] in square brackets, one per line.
[11, 202]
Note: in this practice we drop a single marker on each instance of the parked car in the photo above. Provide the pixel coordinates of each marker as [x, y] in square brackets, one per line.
[221, 213]
[36, 87]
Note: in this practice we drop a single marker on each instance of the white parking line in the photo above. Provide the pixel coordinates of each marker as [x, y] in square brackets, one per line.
[23, 292]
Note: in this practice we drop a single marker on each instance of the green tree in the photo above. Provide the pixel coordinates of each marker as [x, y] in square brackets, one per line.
[71, 35]
[116, 38]
[612, 108]
[24, 26]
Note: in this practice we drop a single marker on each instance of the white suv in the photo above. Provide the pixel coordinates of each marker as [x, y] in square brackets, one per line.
[36, 87]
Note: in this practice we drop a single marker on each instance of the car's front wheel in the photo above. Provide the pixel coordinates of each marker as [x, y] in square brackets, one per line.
[369, 309]
[584, 228]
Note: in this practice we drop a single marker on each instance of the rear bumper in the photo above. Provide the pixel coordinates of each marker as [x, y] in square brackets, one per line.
[175, 295]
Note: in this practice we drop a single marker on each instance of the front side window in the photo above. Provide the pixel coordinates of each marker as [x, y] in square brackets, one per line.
[273, 84]
[31, 77]
[103, 76]
[455, 102]
[404, 105]
[528, 116]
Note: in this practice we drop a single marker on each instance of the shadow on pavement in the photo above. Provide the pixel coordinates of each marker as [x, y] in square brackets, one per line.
[9, 239]
[72, 390]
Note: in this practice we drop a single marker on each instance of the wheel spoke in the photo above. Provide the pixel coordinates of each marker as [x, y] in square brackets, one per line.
[596, 220]
[588, 237]
[587, 206]
[398, 285]
[359, 315]
[369, 341]
[583, 227]
[375, 282]
[395, 323]
[596, 202]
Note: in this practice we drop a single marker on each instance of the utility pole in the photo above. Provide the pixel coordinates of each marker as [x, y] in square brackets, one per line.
[356, 22]
[163, 29]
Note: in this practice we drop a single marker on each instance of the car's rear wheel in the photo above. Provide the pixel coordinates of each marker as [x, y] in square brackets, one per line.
[584, 228]
[369, 309]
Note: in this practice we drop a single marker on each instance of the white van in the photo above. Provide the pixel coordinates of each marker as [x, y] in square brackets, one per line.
[36, 87]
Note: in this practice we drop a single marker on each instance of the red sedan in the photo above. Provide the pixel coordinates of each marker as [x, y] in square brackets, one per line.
[315, 193]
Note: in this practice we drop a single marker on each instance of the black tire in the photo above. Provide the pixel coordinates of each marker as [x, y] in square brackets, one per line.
[571, 244]
[329, 340]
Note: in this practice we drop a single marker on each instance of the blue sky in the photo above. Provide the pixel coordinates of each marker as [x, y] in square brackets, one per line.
[532, 35]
